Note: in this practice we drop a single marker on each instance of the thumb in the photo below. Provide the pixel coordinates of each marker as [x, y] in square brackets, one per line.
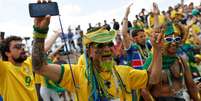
[47, 20]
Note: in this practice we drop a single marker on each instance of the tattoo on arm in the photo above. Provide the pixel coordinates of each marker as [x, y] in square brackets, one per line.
[38, 54]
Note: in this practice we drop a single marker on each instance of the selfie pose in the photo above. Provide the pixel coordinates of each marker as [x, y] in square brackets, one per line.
[100, 79]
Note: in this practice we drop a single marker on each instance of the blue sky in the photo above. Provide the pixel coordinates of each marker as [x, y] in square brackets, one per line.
[15, 18]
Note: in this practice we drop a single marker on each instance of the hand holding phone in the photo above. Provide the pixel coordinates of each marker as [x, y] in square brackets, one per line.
[43, 9]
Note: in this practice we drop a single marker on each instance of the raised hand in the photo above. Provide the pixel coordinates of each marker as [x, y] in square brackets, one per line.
[155, 9]
[128, 10]
[156, 40]
[42, 22]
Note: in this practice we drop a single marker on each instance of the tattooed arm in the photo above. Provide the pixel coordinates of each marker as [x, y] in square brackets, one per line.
[40, 66]
[50, 40]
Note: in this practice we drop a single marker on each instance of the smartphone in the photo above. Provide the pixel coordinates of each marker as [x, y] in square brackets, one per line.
[43, 9]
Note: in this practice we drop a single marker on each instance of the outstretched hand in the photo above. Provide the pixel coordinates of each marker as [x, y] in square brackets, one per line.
[155, 9]
[128, 10]
[42, 22]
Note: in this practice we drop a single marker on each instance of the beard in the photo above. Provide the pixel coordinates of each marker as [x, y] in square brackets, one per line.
[21, 58]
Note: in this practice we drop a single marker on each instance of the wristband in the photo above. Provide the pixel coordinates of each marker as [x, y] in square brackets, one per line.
[38, 30]
[39, 36]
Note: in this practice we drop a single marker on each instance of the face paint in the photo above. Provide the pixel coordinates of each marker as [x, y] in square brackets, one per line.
[107, 65]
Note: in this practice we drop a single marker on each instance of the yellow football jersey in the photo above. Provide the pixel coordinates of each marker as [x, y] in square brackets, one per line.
[161, 21]
[132, 79]
[82, 60]
[195, 28]
[17, 82]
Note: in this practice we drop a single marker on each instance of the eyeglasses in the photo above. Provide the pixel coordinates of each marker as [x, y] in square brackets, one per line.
[101, 45]
[172, 39]
[19, 46]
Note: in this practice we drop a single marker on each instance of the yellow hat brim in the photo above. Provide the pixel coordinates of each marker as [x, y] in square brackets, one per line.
[100, 36]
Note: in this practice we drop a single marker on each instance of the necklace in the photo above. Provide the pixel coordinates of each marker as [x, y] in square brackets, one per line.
[144, 53]
[168, 61]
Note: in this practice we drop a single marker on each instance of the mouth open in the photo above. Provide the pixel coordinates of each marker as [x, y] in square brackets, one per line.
[107, 56]
[23, 54]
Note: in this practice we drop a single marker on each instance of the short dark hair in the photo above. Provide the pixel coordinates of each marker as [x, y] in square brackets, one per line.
[6, 44]
[134, 33]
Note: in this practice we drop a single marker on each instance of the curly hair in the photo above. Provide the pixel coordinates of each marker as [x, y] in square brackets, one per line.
[5, 45]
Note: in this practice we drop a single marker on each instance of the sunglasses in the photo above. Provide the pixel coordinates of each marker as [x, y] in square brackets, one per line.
[101, 45]
[172, 39]
[19, 46]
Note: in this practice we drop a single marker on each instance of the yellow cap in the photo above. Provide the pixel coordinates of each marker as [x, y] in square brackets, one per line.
[100, 36]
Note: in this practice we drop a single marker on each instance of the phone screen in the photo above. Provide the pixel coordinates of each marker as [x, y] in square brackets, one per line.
[43, 9]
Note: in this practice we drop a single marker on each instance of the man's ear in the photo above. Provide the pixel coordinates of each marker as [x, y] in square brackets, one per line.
[135, 38]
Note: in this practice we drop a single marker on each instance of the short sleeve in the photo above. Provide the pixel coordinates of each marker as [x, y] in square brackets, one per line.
[67, 81]
[138, 78]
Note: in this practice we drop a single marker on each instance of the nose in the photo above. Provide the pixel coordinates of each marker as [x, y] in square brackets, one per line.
[106, 48]
[173, 43]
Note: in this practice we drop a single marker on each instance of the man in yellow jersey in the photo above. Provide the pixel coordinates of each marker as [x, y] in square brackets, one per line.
[17, 82]
[16, 75]
[100, 80]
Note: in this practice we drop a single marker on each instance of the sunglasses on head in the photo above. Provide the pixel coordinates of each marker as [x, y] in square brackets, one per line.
[19, 46]
[101, 45]
[172, 39]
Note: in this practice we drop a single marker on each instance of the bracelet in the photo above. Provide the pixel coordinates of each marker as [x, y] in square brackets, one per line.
[39, 36]
[38, 30]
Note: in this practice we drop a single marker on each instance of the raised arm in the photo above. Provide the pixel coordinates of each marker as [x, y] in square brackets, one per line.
[39, 58]
[155, 67]
[182, 6]
[190, 84]
[126, 36]
[51, 40]
[156, 13]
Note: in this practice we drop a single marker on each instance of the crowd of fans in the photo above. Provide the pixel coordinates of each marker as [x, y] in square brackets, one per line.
[178, 49]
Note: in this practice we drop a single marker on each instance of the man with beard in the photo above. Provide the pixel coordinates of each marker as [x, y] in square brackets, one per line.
[100, 80]
[16, 75]
[17, 81]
